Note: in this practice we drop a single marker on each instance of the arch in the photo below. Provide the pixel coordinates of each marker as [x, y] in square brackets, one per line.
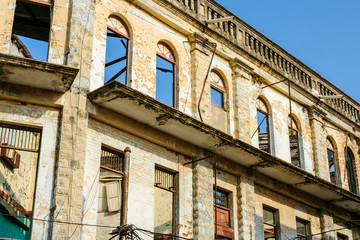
[350, 170]
[294, 123]
[166, 77]
[117, 50]
[167, 51]
[263, 105]
[119, 24]
[217, 88]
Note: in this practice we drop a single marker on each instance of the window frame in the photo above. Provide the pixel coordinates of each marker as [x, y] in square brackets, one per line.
[349, 159]
[276, 226]
[174, 71]
[307, 225]
[297, 130]
[106, 181]
[226, 209]
[128, 39]
[174, 194]
[219, 89]
[333, 150]
[48, 41]
[268, 114]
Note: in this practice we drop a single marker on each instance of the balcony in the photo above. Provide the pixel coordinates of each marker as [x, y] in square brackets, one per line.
[37, 74]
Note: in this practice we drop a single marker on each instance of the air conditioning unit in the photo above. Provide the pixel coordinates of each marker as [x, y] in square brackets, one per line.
[10, 155]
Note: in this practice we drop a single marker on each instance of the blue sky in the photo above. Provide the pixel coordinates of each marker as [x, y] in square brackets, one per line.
[323, 34]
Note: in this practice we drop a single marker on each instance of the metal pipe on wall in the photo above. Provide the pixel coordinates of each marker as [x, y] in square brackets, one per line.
[125, 188]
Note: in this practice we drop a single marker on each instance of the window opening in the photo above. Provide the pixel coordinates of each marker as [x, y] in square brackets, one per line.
[263, 125]
[222, 208]
[294, 143]
[165, 77]
[270, 224]
[350, 170]
[117, 51]
[111, 174]
[19, 154]
[164, 219]
[217, 89]
[303, 229]
[32, 27]
[331, 155]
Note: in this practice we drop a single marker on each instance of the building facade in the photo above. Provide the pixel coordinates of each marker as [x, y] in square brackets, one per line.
[146, 113]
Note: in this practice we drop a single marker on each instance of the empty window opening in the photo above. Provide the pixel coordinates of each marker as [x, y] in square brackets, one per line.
[117, 51]
[294, 143]
[303, 229]
[32, 28]
[222, 213]
[331, 160]
[270, 224]
[350, 170]
[165, 75]
[263, 125]
[164, 219]
[111, 173]
[19, 153]
[342, 236]
[217, 89]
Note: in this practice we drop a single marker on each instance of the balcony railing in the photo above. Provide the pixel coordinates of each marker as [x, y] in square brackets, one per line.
[263, 49]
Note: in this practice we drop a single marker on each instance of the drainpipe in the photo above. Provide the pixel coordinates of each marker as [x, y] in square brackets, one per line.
[125, 188]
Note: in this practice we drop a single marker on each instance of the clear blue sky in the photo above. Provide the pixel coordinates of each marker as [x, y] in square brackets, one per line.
[323, 34]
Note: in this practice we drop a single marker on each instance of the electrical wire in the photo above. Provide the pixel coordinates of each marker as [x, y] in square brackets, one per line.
[309, 236]
[55, 221]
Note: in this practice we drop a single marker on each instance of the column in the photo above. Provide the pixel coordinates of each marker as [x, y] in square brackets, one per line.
[68, 194]
[241, 85]
[318, 137]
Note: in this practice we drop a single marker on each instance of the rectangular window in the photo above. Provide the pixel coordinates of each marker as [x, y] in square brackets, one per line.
[111, 174]
[164, 209]
[303, 229]
[31, 28]
[222, 215]
[270, 224]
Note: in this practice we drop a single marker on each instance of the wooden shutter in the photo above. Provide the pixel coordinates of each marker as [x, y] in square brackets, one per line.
[113, 195]
[102, 204]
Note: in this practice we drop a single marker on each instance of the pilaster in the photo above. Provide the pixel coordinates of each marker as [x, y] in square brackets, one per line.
[327, 224]
[246, 206]
[203, 203]
[241, 84]
[318, 136]
[7, 11]
[68, 193]
[201, 53]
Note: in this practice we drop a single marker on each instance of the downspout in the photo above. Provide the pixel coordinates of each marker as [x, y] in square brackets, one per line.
[125, 189]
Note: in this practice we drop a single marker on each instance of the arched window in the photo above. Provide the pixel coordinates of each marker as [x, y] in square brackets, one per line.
[217, 89]
[331, 160]
[350, 169]
[117, 51]
[263, 125]
[294, 142]
[165, 75]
